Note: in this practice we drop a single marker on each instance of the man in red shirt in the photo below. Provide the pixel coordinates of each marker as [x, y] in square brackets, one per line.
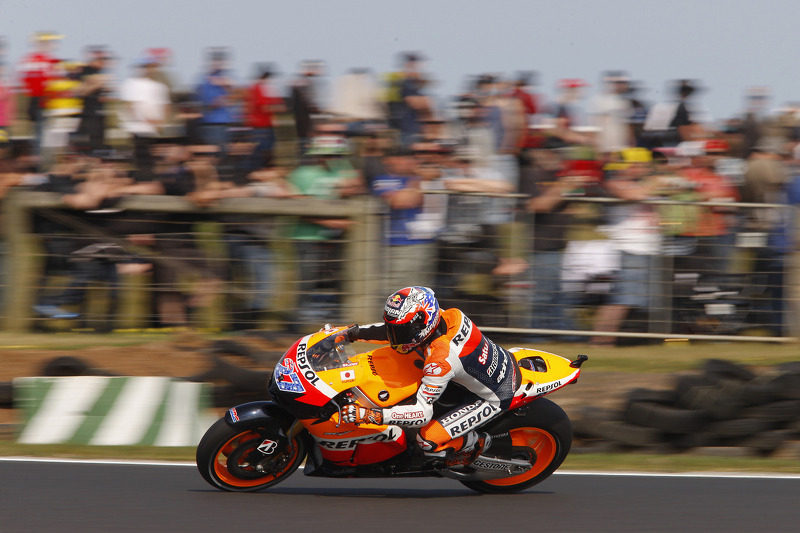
[36, 70]
[261, 106]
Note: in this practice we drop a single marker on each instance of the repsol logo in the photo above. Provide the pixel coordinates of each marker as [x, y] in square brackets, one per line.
[349, 444]
[548, 387]
[303, 366]
[464, 332]
[461, 412]
[371, 365]
[469, 422]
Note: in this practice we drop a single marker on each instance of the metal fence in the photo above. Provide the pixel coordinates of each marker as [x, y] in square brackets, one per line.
[598, 269]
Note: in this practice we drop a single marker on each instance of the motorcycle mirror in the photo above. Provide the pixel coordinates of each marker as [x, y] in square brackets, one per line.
[579, 361]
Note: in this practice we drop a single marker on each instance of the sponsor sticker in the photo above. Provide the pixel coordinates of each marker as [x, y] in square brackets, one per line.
[234, 414]
[383, 395]
[267, 447]
[286, 377]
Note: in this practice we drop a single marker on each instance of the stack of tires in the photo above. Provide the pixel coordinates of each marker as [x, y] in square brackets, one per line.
[725, 406]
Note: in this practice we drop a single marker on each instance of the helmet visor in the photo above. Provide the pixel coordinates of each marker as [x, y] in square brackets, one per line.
[404, 334]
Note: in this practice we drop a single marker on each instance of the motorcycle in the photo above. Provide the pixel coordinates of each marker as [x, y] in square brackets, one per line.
[259, 444]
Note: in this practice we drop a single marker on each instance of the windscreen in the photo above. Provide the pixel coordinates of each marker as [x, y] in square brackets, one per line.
[330, 353]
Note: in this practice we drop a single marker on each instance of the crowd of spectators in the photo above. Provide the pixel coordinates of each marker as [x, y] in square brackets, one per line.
[460, 178]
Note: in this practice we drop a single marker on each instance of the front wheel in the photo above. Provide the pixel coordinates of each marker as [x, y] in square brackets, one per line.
[542, 436]
[246, 460]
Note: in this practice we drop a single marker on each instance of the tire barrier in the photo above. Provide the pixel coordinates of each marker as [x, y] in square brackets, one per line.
[111, 411]
[724, 406]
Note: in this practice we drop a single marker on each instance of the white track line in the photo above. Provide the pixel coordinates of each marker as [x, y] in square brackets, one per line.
[134, 462]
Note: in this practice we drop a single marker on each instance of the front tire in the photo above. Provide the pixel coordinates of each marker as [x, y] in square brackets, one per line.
[543, 434]
[229, 458]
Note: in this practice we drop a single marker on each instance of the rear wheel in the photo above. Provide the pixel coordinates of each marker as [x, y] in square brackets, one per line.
[245, 460]
[543, 437]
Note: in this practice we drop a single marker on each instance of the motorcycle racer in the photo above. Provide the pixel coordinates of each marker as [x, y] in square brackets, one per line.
[454, 350]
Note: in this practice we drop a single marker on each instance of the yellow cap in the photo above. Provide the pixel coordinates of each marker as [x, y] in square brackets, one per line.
[628, 156]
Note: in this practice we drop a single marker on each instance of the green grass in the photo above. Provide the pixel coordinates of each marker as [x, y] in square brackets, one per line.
[13, 449]
[77, 340]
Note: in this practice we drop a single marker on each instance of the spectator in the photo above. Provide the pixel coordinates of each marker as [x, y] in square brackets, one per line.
[634, 231]
[414, 106]
[713, 230]
[62, 110]
[304, 101]
[566, 113]
[6, 102]
[144, 110]
[768, 180]
[37, 69]
[261, 105]
[92, 188]
[531, 104]
[468, 251]
[326, 174]
[215, 93]
[611, 113]
[185, 279]
[550, 184]
[355, 99]
[753, 122]
[413, 223]
[684, 123]
[95, 87]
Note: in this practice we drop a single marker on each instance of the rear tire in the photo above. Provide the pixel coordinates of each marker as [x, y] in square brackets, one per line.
[547, 433]
[225, 458]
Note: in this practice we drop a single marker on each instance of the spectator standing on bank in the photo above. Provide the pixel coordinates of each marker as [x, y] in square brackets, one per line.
[685, 122]
[216, 94]
[414, 104]
[261, 106]
[531, 104]
[6, 100]
[37, 69]
[304, 101]
[567, 114]
[611, 113]
[144, 109]
[95, 87]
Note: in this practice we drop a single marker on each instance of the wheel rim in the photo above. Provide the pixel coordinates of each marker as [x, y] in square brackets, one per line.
[543, 448]
[237, 449]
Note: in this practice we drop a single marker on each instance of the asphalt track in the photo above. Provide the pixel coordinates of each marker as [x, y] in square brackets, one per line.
[87, 497]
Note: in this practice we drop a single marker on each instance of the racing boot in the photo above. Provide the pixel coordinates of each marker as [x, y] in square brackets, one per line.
[474, 445]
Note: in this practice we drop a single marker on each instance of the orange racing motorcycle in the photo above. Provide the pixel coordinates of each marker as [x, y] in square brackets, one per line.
[259, 444]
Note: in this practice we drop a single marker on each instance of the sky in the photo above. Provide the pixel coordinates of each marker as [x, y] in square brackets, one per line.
[727, 44]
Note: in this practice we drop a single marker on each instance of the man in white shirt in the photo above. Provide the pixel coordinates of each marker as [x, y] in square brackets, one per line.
[145, 108]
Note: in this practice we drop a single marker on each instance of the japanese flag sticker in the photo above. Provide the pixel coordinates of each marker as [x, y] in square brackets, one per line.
[348, 375]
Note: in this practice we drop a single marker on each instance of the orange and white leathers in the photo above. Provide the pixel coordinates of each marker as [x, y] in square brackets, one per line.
[463, 355]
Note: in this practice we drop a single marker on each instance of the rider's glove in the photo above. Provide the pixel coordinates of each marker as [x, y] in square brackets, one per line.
[355, 414]
[351, 334]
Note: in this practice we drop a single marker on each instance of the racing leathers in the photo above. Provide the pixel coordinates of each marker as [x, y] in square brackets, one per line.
[460, 353]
